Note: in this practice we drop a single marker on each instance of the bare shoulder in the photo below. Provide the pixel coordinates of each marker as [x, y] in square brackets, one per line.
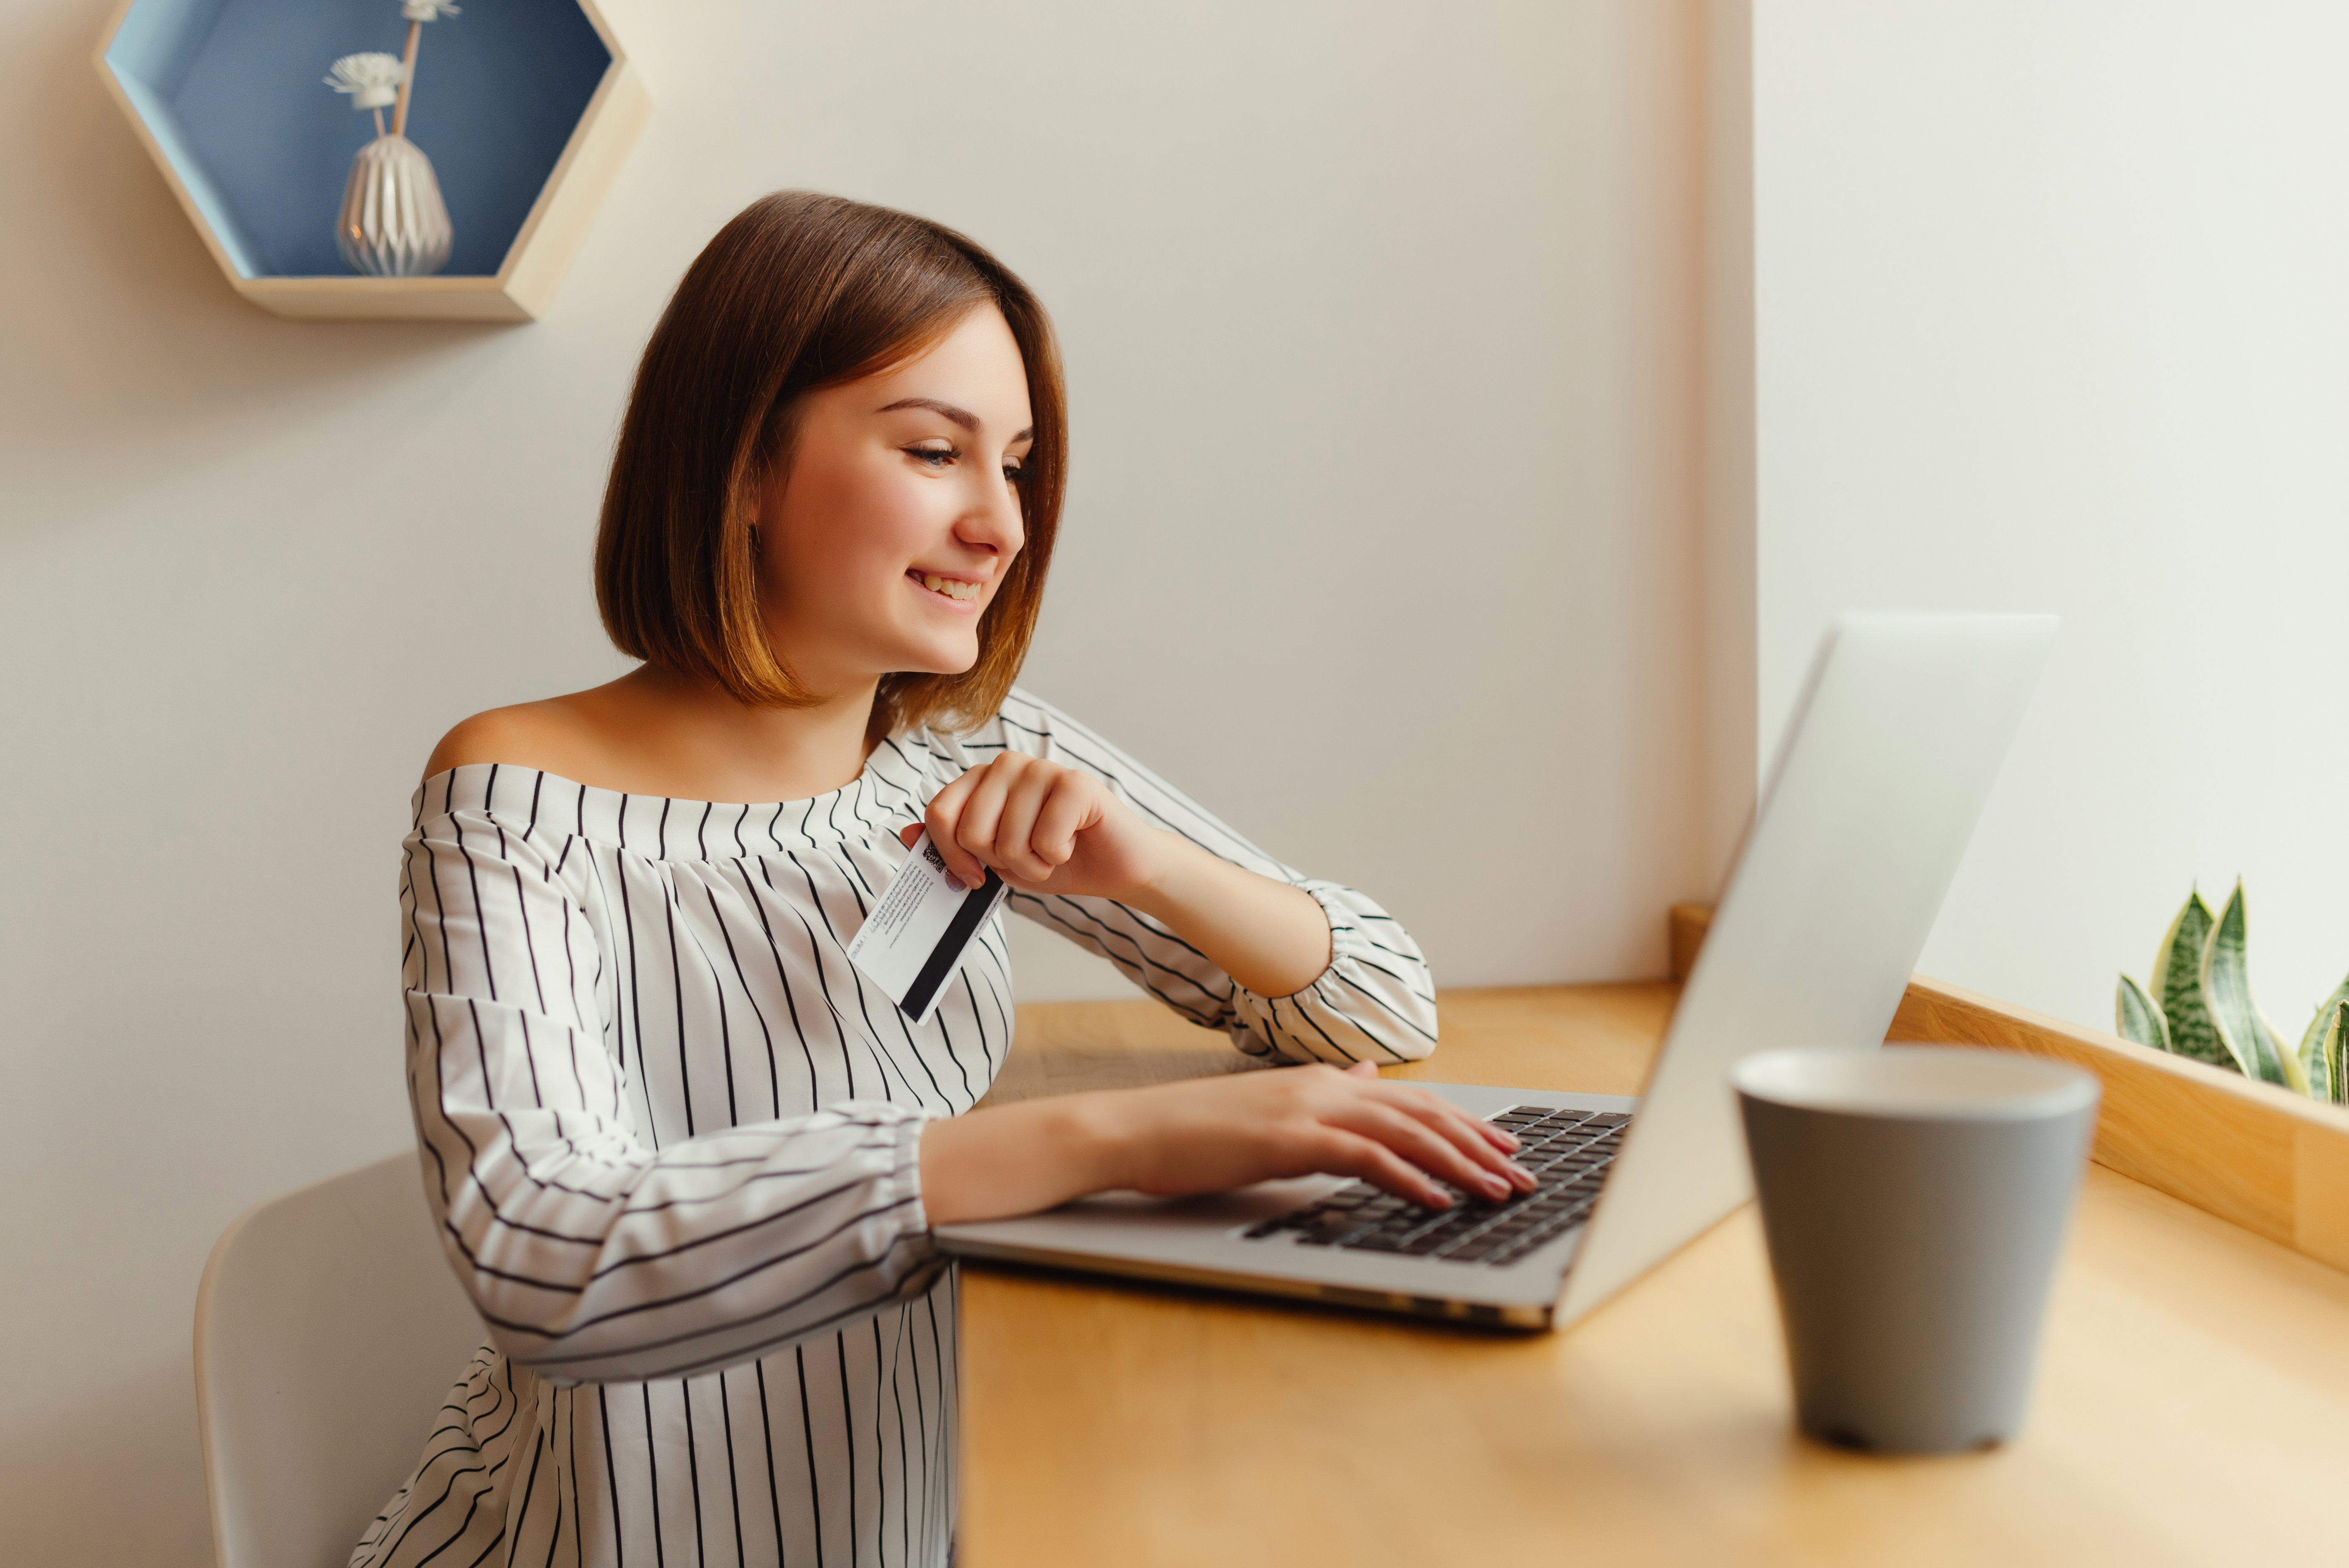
[556, 735]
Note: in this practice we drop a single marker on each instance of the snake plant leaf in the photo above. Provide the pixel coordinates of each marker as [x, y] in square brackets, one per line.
[2226, 991]
[2136, 1017]
[2335, 1051]
[2314, 1063]
[2178, 985]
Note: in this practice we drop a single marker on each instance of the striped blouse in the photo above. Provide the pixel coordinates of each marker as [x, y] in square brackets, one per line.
[672, 1140]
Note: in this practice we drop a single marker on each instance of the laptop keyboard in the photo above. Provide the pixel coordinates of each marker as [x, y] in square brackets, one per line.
[1568, 1151]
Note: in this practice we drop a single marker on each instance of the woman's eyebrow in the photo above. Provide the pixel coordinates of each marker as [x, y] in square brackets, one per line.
[962, 416]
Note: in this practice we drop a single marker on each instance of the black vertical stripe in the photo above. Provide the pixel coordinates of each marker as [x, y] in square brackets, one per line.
[774, 1487]
[652, 1478]
[807, 1430]
[733, 1476]
[782, 976]
[521, 907]
[848, 1436]
[677, 982]
[693, 1474]
[569, 1408]
[635, 1014]
[880, 1456]
[530, 1487]
[938, 1460]
[905, 1468]
[611, 1477]
[743, 983]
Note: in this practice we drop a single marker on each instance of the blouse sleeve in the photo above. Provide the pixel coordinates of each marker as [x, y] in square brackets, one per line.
[1375, 1003]
[592, 1256]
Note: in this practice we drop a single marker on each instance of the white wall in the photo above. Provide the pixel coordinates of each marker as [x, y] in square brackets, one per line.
[2052, 314]
[1379, 320]
[1726, 561]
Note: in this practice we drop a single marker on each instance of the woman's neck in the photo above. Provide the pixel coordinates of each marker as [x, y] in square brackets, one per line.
[655, 731]
[703, 743]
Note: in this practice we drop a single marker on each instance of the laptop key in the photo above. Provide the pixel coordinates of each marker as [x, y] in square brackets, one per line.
[1332, 1227]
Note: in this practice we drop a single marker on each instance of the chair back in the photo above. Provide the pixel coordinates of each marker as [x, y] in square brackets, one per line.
[329, 1330]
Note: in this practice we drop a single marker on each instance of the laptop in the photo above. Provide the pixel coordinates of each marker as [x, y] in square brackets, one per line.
[1897, 736]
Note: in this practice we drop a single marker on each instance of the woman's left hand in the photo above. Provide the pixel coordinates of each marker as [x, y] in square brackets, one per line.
[1044, 828]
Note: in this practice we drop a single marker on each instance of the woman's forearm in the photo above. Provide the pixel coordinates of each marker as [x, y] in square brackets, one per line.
[1050, 828]
[1209, 1135]
[1270, 937]
[1015, 1159]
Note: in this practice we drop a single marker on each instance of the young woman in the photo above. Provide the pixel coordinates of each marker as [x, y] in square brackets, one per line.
[685, 1159]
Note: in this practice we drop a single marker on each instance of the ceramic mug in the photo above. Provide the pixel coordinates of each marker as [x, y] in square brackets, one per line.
[1914, 1200]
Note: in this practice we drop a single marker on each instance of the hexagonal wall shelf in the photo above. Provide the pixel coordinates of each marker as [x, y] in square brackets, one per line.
[527, 108]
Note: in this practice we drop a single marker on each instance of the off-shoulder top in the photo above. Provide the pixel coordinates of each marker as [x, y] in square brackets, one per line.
[671, 1138]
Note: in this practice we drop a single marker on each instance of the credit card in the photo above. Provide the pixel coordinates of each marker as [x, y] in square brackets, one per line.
[913, 941]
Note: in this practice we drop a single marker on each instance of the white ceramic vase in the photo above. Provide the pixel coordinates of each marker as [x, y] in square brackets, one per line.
[394, 223]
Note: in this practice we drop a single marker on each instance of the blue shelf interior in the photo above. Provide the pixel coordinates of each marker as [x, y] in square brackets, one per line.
[233, 92]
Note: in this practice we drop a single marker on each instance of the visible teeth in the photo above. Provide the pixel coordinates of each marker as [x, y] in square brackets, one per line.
[950, 587]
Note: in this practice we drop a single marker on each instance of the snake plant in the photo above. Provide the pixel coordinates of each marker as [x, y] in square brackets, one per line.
[2200, 1006]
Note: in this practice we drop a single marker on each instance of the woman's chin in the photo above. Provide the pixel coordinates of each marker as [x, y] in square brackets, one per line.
[936, 661]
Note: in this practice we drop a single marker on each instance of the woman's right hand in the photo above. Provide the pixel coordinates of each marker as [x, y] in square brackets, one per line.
[1206, 1134]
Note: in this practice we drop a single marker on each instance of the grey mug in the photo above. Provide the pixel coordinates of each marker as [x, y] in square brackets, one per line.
[1914, 1200]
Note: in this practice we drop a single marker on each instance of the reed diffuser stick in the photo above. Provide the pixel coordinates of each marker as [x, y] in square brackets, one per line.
[407, 75]
[418, 13]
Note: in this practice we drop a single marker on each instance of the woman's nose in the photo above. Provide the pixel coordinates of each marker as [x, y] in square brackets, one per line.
[994, 524]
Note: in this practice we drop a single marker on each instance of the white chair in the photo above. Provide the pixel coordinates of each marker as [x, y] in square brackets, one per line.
[329, 1329]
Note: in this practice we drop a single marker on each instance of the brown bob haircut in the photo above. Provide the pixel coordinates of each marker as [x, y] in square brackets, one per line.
[801, 292]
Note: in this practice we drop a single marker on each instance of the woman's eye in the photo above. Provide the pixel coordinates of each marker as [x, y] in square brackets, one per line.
[931, 456]
[1014, 471]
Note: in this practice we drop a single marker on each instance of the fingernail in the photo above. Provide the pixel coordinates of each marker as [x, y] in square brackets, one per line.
[1509, 1141]
[1437, 1199]
[1522, 1177]
[1495, 1188]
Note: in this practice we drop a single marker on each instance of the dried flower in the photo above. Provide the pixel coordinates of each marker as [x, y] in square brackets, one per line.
[372, 80]
[428, 10]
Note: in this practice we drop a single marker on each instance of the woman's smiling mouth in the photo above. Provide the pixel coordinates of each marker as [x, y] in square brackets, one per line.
[954, 588]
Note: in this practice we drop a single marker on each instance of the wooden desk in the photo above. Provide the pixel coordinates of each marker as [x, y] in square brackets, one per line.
[2193, 1398]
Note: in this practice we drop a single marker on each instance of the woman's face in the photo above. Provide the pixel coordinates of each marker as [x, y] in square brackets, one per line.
[893, 525]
